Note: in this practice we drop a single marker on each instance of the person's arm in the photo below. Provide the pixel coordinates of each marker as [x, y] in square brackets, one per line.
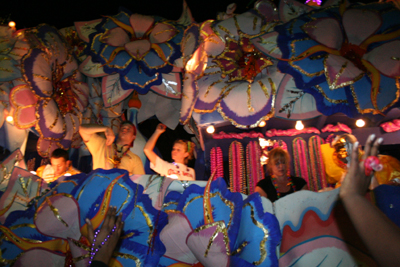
[260, 191]
[87, 130]
[380, 235]
[151, 143]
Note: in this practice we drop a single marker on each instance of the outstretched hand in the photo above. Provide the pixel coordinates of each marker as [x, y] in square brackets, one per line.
[106, 250]
[356, 182]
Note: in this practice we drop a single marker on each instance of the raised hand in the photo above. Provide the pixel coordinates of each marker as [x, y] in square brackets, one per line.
[356, 182]
[160, 128]
[104, 241]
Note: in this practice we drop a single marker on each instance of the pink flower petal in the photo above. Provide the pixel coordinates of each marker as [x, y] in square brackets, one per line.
[267, 9]
[162, 32]
[174, 237]
[24, 101]
[140, 24]
[386, 58]
[340, 72]
[64, 224]
[360, 24]
[138, 49]
[198, 241]
[78, 253]
[116, 37]
[39, 257]
[325, 31]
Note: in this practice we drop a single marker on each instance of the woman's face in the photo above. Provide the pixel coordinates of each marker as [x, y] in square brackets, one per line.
[179, 153]
[279, 168]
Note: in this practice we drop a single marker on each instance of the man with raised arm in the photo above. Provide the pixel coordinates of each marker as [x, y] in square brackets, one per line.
[108, 153]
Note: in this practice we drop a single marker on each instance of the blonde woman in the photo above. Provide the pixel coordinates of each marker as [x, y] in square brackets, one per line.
[182, 152]
[279, 183]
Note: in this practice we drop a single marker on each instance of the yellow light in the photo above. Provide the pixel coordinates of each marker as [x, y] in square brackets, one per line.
[11, 24]
[210, 129]
[360, 123]
[262, 124]
[299, 125]
[10, 119]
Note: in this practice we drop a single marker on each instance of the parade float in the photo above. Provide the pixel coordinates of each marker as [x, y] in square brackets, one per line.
[294, 75]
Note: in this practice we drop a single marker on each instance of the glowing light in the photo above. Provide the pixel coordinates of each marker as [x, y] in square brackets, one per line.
[210, 129]
[313, 2]
[9, 119]
[299, 126]
[360, 123]
[11, 24]
[262, 124]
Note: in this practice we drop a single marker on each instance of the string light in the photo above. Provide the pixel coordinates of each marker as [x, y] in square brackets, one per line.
[11, 24]
[9, 119]
[210, 129]
[299, 125]
[262, 124]
[360, 123]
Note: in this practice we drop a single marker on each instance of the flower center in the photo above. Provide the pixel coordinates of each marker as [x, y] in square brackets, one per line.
[354, 53]
[63, 94]
[241, 61]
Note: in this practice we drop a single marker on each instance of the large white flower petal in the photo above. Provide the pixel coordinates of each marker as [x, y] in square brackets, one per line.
[140, 24]
[326, 31]
[386, 58]
[360, 24]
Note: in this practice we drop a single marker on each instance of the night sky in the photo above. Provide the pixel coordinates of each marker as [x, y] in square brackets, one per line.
[64, 13]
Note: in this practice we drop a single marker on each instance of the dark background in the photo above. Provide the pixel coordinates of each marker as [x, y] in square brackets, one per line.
[62, 14]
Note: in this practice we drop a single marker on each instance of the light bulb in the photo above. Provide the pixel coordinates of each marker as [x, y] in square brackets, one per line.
[210, 129]
[262, 124]
[360, 123]
[299, 125]
[10, 118]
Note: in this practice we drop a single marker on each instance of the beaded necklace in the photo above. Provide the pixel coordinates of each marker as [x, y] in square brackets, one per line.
[116, 160]
[275, 183]
[177, 166]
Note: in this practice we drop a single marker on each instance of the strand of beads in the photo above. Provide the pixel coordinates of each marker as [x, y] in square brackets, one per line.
[93, 251]
[278, 194]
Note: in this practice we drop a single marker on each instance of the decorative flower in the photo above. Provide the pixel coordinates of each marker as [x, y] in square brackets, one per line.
[54, 96]
[226, 73]
[336, 54]
[140, 48]
[9, 69]
[228, 231]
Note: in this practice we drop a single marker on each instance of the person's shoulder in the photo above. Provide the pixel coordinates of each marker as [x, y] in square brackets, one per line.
[133, 156]
[266, 180]
[73, 171]
[298, 180]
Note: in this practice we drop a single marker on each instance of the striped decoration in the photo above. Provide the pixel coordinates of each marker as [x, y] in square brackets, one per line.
[255, 171]
[317, 162]
[301, 161]
[217, 162]
[236, 168]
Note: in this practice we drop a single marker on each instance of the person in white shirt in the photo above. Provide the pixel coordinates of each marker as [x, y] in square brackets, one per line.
[182, 152]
